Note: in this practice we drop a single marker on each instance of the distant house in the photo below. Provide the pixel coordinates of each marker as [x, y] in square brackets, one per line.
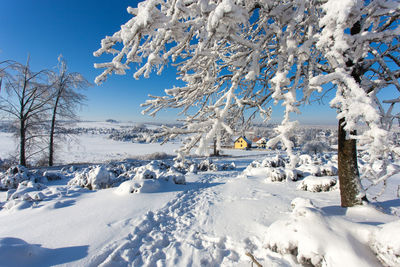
[242, 143]
[261, 143]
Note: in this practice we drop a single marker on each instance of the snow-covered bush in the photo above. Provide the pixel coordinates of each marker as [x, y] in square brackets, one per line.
[386, 244]
[227, 166]
[318, 184]
[144, 174]
[275, 174]
[276, 161]
[142, 186]
[273, 168]
[154, 156]
[27, 190]
[305, 159]
[15, 175]
[94, 177]
[151, 178]
[53, 175]
[315, 239]
[315, 147]
[317, 165]
[29, 194]
[207, 165]
[24, 196]
[203, 166]
[159, 170]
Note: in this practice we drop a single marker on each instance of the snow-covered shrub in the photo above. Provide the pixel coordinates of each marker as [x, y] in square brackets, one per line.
[273, 168]
[315, 239]
[141, 186]
[53, 175]
[276, 161]
[174, 176]
[318, 165]
[155, 166]
[227, 167]
[386, 244]
[291, 175]
[144, 174]
[24, 196]
[193, 168]
[151, 178]
[29, 194]
[318, 184]
[280, 174]
[315, 147]
[185, 165]
[154, 156]
[27, 190]
[275, 174]
[13, 176]
[68, 170]
[305, 159]
[94, 177]
[207, 165]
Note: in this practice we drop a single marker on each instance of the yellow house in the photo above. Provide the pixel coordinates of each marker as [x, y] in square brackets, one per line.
[242, 143]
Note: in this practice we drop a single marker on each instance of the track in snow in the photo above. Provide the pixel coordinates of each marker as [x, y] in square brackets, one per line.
[173, 235]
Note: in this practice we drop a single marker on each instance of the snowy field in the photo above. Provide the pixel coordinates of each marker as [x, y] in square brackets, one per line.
[219, 213]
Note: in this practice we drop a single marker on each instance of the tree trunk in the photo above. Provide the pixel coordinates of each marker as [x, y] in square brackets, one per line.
[52, 129]
[349, 178]
[216, 152]
[22, 143]
[51, 141]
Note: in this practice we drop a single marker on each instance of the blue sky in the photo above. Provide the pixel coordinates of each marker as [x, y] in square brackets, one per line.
[74, 28]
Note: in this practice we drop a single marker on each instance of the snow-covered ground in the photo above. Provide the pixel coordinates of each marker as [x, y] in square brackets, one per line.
[218, 218]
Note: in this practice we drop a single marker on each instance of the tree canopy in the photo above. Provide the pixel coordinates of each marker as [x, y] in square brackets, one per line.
[236, 55]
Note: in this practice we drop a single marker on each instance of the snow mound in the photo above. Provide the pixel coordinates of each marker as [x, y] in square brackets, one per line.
[35, 195]
[209, 165]
[20, 251]
[94, 177]
[143, 186]
[24, 196]
[315, 239]
[318, 165]
[151, 178]
[202, 166]
[386, 243]
[14, 176]
[273, 168]
[318, 184]
[276, 168]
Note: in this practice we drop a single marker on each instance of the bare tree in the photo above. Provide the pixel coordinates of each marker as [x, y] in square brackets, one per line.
[26, 102]
[65, 99]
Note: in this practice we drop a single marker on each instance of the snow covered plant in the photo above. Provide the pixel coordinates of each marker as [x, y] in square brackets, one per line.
[305, 233]
[235, 57]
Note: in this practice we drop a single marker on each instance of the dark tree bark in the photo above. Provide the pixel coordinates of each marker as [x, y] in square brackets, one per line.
[22, 142]
[216, 151]
[348, 169]
[349, 177]
[52, 129]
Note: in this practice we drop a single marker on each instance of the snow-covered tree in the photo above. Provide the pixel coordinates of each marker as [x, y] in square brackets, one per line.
[65, 99]
[315, 147]
[235, 56]
[25, 100]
